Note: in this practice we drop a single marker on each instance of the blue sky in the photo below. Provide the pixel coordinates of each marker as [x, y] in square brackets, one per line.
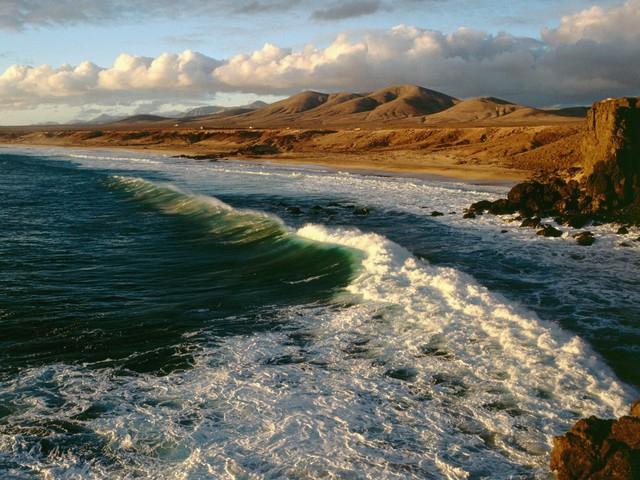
[40, 32]
[225, 35]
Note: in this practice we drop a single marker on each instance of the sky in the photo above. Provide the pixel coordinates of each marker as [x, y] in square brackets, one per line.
[75, 59]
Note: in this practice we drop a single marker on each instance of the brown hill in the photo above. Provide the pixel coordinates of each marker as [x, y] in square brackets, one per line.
[405, 101]
[492, 110]
[473, 110]
[401, 105]
[387, 104]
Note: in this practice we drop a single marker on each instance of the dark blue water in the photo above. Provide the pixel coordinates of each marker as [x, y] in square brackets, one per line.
[116, 283]
[93, 270]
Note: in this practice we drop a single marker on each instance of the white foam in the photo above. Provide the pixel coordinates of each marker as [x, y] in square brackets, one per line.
[490, 385]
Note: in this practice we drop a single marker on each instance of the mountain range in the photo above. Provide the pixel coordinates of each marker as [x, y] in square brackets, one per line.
[408, 105]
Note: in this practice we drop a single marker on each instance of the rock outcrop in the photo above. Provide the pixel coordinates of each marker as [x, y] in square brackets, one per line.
[610, 186]
[596, 449]
[611, 154]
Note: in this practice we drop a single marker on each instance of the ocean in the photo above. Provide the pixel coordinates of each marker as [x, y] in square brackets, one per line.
[177, 319]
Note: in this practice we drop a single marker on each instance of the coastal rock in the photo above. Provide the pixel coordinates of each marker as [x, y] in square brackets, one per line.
[585, 239]
[502, 206]
[599, 449]
[533, 222]
[610, 186]
[610, 153]
[549, 231]
[623, 231]
[435, 213]
[361, 211]
[534, 197]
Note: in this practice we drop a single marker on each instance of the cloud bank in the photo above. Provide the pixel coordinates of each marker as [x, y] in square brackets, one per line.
[590, 55]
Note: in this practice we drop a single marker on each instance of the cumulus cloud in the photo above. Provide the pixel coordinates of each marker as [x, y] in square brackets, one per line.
[592, 54]
[620, 23]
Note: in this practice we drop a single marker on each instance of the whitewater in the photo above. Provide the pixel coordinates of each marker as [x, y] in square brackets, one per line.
[408, 346]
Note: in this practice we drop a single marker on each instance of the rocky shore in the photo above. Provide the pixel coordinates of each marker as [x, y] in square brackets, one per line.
[605, 188]
[597, 449]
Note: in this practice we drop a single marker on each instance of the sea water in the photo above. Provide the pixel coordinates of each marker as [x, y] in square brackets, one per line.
[170, 318]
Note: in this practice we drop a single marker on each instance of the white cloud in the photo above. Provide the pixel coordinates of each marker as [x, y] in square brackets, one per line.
[620, 23]
[591, 54]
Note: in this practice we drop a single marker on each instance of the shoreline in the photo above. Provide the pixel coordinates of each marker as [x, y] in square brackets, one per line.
[434, 166]
[499, 154]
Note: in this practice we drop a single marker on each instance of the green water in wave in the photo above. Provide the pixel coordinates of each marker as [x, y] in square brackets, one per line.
[127, 272]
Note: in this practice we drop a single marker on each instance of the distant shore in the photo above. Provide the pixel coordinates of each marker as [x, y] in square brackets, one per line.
[493, 154]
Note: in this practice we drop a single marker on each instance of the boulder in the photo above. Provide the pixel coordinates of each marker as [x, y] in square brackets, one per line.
[599, 449]
[436, 213]
[533, 222]
[549, 231]
[585, 238]
[502, 206]
[361, 211]
[480, 207]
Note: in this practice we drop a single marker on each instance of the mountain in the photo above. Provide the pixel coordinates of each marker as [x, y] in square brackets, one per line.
[399, 105]
[388, 104]
[214, 109]
[473, 110]
[495, 111]
[142, 119]
[578, 112]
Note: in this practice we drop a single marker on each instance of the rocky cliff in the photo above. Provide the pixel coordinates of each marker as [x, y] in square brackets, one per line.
[609, 186]
[611, 155]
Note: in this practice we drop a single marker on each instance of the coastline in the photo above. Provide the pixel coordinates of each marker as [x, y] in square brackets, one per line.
[397, 163]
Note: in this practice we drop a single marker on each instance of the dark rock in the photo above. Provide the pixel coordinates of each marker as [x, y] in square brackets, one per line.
[435, 213]
[469, 215]
[623, 231]
[294, 210]
[534, 197]
[598, 449]
[549, 231]
[361, 211]
[627, 430]
[530, 222]
[577, 221]
[502, 206]
[406, 374]
[480, 207]
[504, 231]
[585, 238]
